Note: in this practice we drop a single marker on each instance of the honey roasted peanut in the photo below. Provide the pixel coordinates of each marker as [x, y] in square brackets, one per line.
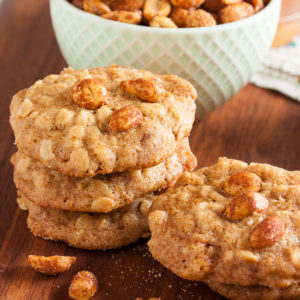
[242, 182]
[199, 18]
[235, 12]
[128, 5]
[244, 205]
[147, 89]
[229, 2]
[257, 4]
[154, 8]
[162, 22]
[213, 5]
[187, 3]
[267, 233]
[89, 93]
[179, 15]
[84, 286]
[130, 17]
[51, 265]
[181, 12]
[78, 3]
[125, 118]
[95, 7]
[216, 5]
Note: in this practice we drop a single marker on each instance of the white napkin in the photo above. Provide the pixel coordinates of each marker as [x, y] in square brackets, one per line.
[280, 70]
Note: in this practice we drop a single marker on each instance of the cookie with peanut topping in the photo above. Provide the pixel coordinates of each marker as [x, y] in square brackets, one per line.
[103, 120]
[237, 292]
[102, 193]
[101, 231]
[230, 223]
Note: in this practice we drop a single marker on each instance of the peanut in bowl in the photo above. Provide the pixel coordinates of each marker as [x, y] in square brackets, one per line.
[218, 60]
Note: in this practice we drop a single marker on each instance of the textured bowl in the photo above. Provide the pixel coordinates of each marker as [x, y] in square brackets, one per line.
[218, 60]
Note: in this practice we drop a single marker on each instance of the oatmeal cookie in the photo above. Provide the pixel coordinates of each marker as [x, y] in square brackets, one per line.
[102, 193]
[101, 231]
[260, 292]
[103, 120]
[231, 223]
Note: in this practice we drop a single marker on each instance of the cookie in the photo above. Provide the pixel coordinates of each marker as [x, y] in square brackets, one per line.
[102, 193]
[103, 120]
[237, 292]
[101, 231]
[231, 223]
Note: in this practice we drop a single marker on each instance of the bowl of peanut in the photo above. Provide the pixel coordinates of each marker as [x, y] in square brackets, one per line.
[215, 44]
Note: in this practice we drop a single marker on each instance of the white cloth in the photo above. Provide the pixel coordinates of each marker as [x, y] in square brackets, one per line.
[280, 70]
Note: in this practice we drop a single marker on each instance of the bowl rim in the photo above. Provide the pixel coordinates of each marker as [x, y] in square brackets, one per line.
[147, 29]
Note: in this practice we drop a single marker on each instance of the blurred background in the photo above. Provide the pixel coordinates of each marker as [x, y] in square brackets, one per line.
[257, 124]
[289, 25]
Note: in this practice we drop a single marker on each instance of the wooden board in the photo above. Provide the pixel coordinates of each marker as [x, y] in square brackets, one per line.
[256, 125]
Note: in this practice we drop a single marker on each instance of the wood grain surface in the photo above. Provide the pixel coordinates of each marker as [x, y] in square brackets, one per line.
[256, 125]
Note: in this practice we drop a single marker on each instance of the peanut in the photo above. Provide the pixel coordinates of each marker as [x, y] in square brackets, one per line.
[267, 233]
[95, 7]
[162, 22]
[229, 2]
[244, 205]
[216, 5]
[257, 4]
[89, 93]
[154, 8]
[125, 118]
[200, 18]
[147, 89]
[130, 17]
[179, 15]
[187, 3]
[136, 11]
[128, 5]
[235, 12]
[242, 182]
[78, 3]
[51, 265]
[213, 5]
[84, 286]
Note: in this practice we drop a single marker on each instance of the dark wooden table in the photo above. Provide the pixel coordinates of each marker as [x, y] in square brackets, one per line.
[256, 125]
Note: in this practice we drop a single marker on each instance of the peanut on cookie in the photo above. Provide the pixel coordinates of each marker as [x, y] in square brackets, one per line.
[125, 118]
[89, 93]
[75, 122]
[231, 223]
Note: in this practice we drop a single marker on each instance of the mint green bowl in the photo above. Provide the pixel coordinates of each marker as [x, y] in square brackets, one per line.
[218, 60]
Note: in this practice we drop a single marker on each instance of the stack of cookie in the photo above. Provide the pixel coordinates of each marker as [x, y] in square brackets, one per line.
[235, 227]
[93, 147]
